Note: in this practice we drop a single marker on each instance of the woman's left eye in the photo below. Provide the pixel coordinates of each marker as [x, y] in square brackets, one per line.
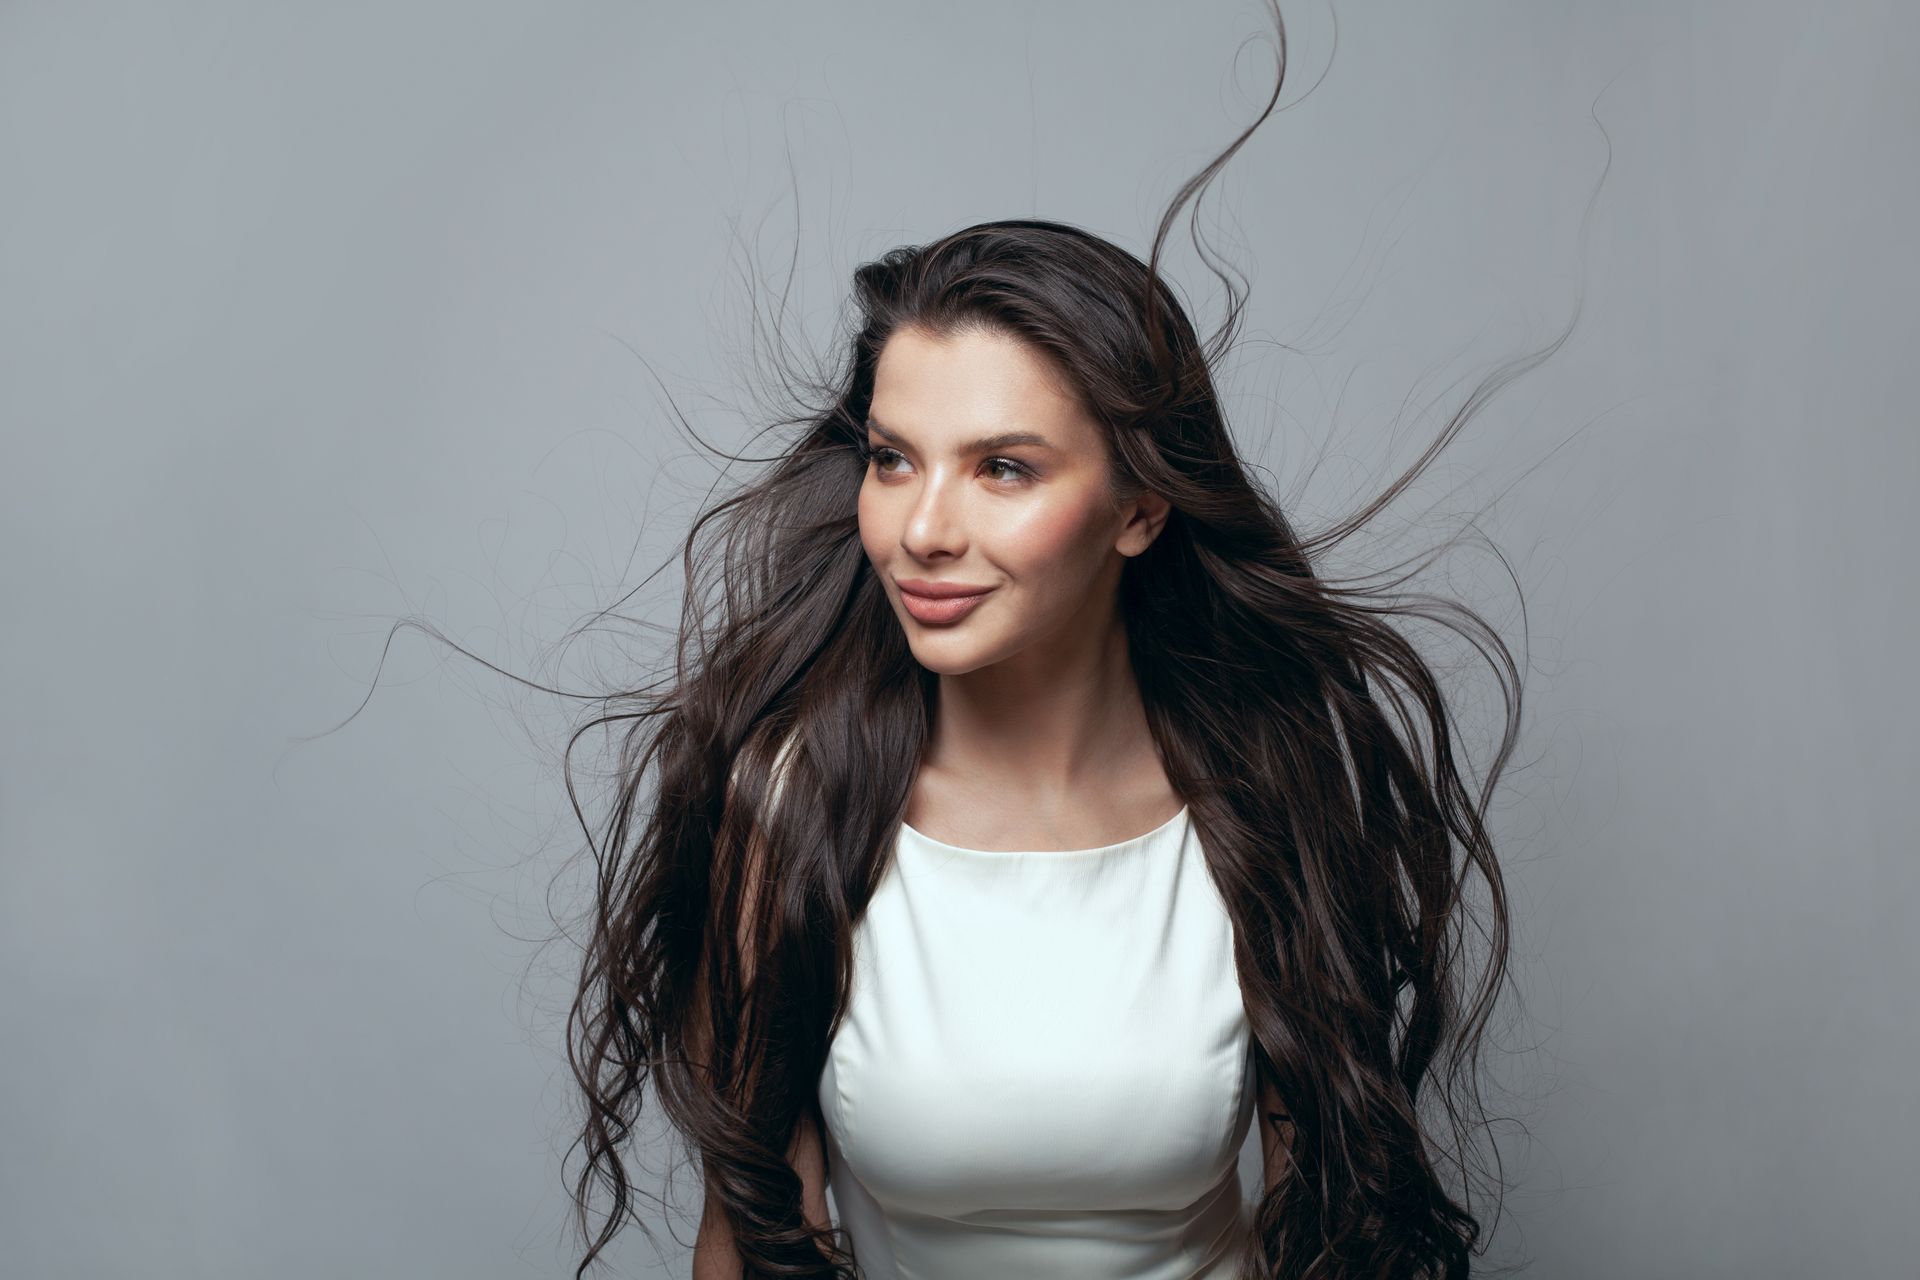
[1018, 471]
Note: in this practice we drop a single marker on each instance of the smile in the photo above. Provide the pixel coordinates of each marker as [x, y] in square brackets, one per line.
[940, 608]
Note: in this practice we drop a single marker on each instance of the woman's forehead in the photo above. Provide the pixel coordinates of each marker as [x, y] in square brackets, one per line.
[962, 389]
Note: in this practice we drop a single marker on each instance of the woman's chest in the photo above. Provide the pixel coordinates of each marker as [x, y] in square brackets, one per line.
[1039, 1036]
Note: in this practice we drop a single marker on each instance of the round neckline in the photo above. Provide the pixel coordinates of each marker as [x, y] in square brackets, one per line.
[1117, 847]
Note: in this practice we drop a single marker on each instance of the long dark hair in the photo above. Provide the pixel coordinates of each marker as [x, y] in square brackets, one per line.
[1310, 739]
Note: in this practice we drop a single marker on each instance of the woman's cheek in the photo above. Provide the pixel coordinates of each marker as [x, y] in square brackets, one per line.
[1045, 543]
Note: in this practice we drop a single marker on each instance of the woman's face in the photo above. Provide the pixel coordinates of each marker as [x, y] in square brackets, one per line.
[988, 475]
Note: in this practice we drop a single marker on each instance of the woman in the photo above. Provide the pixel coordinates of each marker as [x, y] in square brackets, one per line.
[1032, 822]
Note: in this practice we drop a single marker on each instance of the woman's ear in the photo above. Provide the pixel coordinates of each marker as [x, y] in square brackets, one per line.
[1146, 515]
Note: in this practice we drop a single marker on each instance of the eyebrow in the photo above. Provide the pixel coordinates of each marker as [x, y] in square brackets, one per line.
[985, 444]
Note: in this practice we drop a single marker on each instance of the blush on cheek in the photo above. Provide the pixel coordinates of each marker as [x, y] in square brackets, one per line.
[1049, 542]
[873, 539]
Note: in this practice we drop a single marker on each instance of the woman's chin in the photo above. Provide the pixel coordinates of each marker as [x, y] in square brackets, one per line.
[948, 653]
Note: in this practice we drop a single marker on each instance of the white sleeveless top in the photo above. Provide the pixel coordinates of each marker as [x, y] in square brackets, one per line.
[1046, 1068]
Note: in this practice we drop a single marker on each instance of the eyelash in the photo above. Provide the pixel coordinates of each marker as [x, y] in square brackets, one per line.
[1021, 470]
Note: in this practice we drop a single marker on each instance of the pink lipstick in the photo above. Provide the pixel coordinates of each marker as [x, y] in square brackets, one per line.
[939, 602]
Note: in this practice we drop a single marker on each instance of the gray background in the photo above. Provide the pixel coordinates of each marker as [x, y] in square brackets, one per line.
[313, 316]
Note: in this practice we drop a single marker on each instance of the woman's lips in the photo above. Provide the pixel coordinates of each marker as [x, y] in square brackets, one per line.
[940, 609]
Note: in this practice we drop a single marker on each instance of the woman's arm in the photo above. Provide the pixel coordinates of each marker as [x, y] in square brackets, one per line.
[1276, 1136]
[715, 1258]
[714, 1254]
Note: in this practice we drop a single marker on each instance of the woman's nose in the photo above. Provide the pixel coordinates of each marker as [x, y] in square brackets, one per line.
[937, 522]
